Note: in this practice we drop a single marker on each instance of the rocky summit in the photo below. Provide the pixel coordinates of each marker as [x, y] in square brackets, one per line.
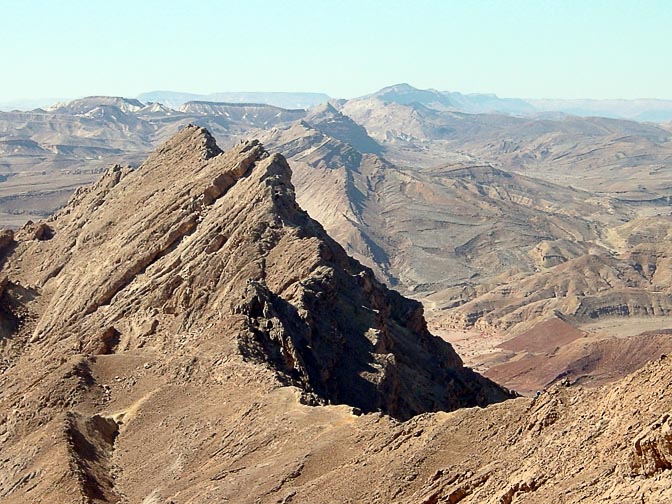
[165, 321]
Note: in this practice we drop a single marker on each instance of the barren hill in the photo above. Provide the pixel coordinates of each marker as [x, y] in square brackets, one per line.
[172, 338]
[46, 154]
[200, 268]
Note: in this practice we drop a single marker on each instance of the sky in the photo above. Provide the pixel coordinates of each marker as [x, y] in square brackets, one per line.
[345, 48]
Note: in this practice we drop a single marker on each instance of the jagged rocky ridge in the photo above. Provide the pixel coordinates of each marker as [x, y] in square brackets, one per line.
[151, 327]
[197, 242]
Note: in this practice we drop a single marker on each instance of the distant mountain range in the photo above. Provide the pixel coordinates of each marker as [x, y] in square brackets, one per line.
[643, 110]
[173, 99]
[474, 103]
[284, 100]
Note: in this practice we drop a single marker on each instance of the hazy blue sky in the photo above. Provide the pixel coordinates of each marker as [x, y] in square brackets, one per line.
[533, 49]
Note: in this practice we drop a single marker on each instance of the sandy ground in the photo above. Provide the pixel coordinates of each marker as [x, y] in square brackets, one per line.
[632, 326]
[478, 349]
[546, 352]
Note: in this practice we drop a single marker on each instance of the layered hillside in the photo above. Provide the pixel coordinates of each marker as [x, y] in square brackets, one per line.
[586, 288]
[181, 332]
[615, 301]
[592, 153]
[196, 272]
[627, 275]
[46, 154]
[452, 228]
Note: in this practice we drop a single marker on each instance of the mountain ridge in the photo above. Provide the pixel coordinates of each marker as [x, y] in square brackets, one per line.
[185, 332]
[290, 100]
[447, 206]
[656, 110]
[90, 275]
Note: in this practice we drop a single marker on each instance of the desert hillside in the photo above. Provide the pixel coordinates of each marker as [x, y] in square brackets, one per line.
[498, 223]
[172, 339]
